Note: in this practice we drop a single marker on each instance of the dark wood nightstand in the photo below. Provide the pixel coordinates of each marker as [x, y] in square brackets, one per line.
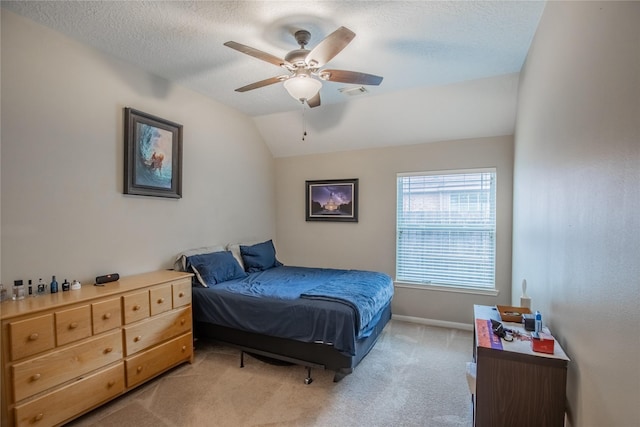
[514, 385]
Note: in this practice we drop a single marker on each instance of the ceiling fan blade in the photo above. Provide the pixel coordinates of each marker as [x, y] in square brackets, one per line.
[354, 77]
[256, 53]
[262, 83]
[329, 47]
[314, 101]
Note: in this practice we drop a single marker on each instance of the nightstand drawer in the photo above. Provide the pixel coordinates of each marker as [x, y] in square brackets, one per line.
[151, 362]
[40, 373]
[156, 329]
[135, 306]
[181, 293]
[106, 315]
[73, 324]
[31, 336]
[75, 398]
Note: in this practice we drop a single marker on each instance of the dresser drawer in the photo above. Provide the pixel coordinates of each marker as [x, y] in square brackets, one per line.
[135, 306]
[181, 293]
[151, 362]
[70, 400]
[73, 324]
[40, 373]
[106, 315]
[31, 336]
[154, 330]
[160, 299]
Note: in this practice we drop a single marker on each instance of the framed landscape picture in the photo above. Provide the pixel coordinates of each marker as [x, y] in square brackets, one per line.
[332, 200]
[152, 155]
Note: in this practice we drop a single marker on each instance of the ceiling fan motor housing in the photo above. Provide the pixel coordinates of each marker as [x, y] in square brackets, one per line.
[297, 57]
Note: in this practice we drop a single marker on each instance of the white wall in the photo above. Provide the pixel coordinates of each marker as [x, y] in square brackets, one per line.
[63, 211]
[370, 243]
[577, 197]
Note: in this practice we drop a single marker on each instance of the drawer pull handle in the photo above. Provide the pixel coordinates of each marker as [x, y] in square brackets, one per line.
[139, 369]
[160, 300]
[138, 338]
[73, 325]
[111, 383]
[35, 377]
[182, 321]
[136, 307]
[39, 416]
[184, 348]
[108, 349]
[181, 294]
[107, 316]
[33, 337]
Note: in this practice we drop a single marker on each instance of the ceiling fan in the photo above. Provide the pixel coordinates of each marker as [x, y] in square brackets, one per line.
[304, 66]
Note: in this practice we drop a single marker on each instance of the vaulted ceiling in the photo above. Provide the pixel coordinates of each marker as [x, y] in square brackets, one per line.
[450, 68]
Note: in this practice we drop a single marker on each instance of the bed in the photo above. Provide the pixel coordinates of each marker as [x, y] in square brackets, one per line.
[315, 317]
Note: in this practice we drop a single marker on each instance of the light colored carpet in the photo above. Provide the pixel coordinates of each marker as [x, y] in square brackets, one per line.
[414, 376]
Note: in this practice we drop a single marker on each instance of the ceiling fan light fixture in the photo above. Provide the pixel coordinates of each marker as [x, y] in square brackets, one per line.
[302, 87]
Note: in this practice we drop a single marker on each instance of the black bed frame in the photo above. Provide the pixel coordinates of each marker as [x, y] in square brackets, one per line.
[310, 355]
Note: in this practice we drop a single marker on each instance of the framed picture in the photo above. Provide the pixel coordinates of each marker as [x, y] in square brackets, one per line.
[152, 155]
[332, 200]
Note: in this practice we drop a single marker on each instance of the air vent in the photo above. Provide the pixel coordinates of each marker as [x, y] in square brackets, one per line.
[353, 91]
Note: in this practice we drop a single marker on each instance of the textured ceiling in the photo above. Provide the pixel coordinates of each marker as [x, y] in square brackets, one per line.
[417, 46]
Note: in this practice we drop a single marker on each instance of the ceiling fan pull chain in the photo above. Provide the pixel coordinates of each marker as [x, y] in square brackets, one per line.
[304, 122]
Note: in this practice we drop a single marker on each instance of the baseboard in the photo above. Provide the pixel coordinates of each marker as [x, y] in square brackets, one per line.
[433, 322]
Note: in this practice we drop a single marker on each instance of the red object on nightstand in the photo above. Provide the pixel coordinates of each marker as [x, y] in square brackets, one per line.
[542, 343]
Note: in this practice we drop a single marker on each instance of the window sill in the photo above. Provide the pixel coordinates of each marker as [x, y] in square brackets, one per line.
[456, 289]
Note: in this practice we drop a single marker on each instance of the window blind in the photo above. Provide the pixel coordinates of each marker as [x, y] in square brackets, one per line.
[446, 228]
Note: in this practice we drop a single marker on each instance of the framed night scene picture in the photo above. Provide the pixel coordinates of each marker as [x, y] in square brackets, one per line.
[332, 200]
[152, 155]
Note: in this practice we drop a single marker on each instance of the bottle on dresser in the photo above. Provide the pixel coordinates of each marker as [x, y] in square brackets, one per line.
[41, 288]
[54, 285]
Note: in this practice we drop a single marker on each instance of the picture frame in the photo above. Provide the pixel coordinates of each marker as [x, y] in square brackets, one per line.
[332, 200]
[152, 155]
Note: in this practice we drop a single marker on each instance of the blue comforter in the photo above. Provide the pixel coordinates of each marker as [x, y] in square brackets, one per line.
[331, 306]
[364, 291]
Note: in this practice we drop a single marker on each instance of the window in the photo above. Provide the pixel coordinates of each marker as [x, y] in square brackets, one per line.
[446, 228]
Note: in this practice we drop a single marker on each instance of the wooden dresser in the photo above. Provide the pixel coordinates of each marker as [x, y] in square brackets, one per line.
[64, 354]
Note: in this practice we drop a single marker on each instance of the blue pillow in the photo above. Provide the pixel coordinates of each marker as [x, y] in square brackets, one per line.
[214, 267]
[259, 257]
